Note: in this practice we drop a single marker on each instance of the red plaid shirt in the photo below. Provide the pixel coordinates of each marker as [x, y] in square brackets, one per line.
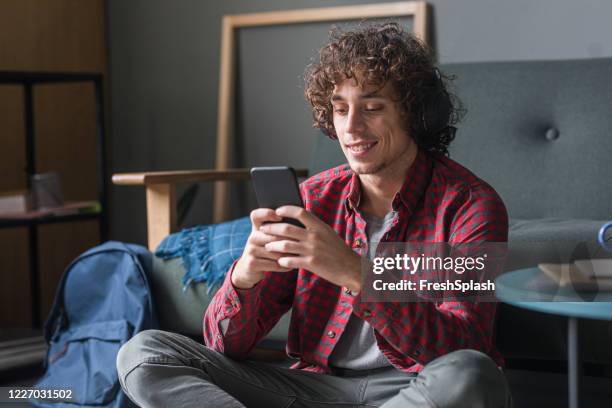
[440, 201]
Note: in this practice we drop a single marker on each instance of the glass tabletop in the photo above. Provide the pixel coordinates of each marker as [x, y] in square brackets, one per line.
[531, 289]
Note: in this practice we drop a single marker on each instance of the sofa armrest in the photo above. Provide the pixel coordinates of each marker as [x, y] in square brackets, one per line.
[161, 194]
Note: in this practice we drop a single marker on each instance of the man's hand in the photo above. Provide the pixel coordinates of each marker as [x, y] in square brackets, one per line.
[317, 248]
[256, 259]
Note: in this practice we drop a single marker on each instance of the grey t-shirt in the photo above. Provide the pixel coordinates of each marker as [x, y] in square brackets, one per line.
[357, 348]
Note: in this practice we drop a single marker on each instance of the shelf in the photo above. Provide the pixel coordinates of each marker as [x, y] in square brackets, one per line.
[72, 211]
[92, 211]
[20, 77]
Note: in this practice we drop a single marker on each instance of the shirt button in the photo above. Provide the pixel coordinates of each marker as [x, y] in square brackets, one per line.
[357, 243]
[331, 334]
[367, 313]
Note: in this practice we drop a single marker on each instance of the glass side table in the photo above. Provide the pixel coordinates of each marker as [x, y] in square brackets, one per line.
[520, 288]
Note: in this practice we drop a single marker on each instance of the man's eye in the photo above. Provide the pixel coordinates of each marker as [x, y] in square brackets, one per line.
[373, 108]
[340, 111]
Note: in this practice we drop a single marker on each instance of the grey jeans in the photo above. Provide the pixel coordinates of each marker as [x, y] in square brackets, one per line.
[162, 369]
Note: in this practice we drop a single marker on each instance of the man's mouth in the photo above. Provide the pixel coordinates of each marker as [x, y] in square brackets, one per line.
[361, 148]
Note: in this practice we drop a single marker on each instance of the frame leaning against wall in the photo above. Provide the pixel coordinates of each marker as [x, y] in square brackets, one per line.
[160, 186]
[418, 10]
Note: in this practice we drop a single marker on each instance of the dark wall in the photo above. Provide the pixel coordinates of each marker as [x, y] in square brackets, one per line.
[164, 68]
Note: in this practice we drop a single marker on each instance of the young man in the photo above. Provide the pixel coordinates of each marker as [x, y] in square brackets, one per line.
[376, 90]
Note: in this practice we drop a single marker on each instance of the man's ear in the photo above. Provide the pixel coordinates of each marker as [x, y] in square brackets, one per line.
[406, 119]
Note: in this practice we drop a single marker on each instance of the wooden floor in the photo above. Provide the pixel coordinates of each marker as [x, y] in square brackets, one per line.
[529, 389]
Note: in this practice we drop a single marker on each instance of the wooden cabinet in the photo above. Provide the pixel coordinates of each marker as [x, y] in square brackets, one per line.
[48, 36]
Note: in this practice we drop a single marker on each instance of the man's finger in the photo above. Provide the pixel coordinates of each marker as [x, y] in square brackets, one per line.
[261, 215]
[300, 214]
[285, 246]
[262, 253]
[293, 262]
[283, 229]
[260, 238]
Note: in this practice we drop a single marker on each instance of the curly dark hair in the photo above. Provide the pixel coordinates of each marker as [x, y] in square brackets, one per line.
[376, 54]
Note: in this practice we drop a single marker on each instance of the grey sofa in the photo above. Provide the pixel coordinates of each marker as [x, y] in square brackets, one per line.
[541, 134]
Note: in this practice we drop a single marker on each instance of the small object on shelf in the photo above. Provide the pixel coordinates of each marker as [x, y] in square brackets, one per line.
[15, 202]
[46, 191]
[68, 208]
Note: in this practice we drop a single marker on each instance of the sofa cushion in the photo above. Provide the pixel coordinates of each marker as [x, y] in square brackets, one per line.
[539, 133]
[182, 311]
[550, 240]
[554, 229]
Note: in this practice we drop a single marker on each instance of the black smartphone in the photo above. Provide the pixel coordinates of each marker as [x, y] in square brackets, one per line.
[275, 187]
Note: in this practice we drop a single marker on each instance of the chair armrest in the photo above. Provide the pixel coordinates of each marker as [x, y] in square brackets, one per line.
[185, 176]
[181, 176]
[161, 194]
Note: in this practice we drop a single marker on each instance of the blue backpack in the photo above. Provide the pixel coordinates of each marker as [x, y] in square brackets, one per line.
[102, 300]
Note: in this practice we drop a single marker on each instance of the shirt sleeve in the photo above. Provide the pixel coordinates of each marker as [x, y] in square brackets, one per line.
[237, 319]
[423, 331]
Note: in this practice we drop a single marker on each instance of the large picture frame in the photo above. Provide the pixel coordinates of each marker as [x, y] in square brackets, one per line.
[418, 10]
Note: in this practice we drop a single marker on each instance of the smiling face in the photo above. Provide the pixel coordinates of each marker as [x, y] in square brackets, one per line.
[370, 128]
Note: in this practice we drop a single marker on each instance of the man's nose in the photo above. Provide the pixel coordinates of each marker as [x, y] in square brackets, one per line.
[354, 121]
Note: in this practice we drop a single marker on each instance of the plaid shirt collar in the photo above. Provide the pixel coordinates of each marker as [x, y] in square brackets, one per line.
[417, 179]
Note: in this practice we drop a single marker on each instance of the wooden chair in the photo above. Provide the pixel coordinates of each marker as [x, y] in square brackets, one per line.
[160, 187]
